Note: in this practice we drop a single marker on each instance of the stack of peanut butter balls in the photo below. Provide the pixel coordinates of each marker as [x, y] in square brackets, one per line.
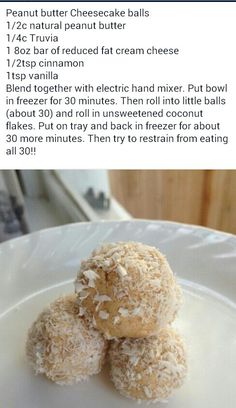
[126, 298]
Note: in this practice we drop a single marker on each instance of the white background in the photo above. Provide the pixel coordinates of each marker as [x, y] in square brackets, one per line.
[204, 32]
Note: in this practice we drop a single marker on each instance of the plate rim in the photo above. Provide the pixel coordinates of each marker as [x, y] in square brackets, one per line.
[174, 224]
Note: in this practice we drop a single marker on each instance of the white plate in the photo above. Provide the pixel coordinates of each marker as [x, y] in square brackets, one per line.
[37, 268]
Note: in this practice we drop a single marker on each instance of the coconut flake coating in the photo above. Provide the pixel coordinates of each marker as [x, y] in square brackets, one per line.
[63, 345]
[128, 289]
[148, 369]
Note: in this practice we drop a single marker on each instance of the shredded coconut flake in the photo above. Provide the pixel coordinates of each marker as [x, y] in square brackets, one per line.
[79, 287]
[124, 312]
[121, 271]
[116, 320]
[137, 311]
[156, 282]
[107, 263]
[134, 360]
[101, 298]
[103, 315]
[147, 392]
[83, 294]
[81, 311]
[91, 276]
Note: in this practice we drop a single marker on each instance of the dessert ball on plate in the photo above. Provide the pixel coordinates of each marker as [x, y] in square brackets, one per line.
[128, 289]
[62, 344]
[149, 368]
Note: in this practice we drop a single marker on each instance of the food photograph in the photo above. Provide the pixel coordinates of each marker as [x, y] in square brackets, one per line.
[117, 288]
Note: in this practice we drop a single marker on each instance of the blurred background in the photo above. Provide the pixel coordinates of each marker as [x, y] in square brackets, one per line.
[203, 197]
[31, 200]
